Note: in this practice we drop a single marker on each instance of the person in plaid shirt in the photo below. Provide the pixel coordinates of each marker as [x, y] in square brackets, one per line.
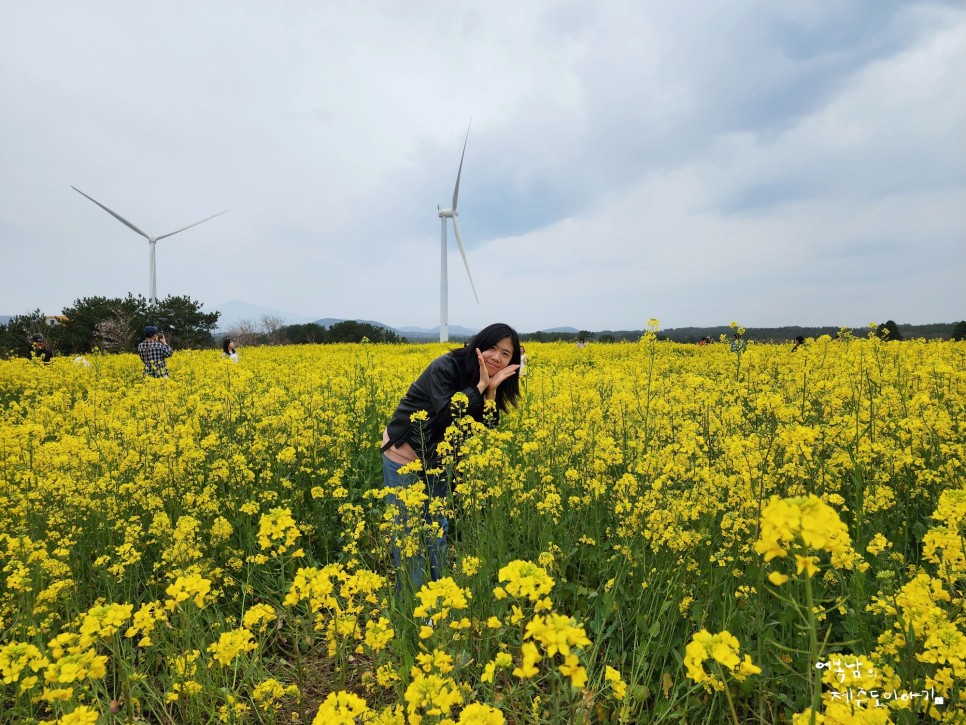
[154, 351]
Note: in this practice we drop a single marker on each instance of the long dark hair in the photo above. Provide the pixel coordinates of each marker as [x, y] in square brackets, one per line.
[509, 390]
[224, 345]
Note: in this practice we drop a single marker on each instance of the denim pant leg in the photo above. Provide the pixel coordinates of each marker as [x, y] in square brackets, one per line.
[412, 570]
[436, 545]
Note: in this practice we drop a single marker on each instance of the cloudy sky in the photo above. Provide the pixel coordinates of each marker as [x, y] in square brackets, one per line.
[774, 163]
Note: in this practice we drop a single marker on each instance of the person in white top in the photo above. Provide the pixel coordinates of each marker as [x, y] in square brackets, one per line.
[228, 346]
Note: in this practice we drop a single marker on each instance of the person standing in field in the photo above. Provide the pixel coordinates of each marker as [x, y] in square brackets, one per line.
[228, 347]
[485, 371]
[154, 352]
[39, 349]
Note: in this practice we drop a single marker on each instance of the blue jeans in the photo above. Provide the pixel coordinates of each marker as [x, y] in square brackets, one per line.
[411, 571]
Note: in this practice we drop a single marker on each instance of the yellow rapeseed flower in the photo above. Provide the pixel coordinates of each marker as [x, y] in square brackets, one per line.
[80, 715]
[523, 579]
[259, 616]
[193, 587]
[722, 648]
[341, 708]
[231, 645]
[477, 713]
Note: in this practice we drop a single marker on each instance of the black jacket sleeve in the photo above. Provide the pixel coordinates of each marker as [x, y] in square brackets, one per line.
[444, 383]
[433, 392]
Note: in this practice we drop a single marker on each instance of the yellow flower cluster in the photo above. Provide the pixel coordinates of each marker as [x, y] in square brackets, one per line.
[617, 684]
[103, 621]
[278, 532]
[477, 713]
[267, 694]
[803, 523]
[231, 645]
[437, 600]
[943, 545]
[341, 708]
[502, 661]
[75, 665]
[524, 579]
[557, 633]
[193, 587]
[259, 616]
[722, 648]
[639, 485]
[342, 605]
[544, 636]
[432, 696]
[17, 658]
[145, 620]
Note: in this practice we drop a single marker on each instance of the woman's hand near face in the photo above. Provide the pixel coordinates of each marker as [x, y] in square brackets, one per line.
[489, 383]
[496, 380]
[484, 374]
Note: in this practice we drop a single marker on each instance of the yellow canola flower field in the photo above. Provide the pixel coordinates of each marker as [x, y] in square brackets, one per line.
[214, 547]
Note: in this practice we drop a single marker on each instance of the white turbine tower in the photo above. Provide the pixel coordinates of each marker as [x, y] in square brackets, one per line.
[152, 241]
[445, 214]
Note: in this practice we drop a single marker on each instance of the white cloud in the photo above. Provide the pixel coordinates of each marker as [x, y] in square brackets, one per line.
[697, 162]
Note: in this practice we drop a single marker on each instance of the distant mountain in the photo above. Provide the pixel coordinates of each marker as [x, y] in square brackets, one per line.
[410, 332]
[454, 330]
[329, 321]
[234, 311]
[571, 330]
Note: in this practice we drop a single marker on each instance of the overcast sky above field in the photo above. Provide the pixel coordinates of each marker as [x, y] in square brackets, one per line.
[775, 163]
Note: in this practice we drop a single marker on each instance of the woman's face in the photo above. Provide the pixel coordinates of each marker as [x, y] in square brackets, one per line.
[498, 356]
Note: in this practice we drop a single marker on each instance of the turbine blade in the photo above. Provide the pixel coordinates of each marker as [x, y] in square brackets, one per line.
[459, 241]
[456, 191]
[191, 225]
[121, 219]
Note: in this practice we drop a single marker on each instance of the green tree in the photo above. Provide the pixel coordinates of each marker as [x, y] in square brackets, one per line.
[113, 323]
[183, 322]
[302, 334]
[15, 335]
[889, 331]
[352, 331]
[105, 323]
[959, 331]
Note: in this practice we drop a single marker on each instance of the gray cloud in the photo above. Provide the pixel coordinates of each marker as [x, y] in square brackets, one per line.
[789, 163]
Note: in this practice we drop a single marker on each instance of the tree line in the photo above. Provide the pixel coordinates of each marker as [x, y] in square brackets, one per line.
[117, 325]
[271, 330]
[888, 331]
[111, 325]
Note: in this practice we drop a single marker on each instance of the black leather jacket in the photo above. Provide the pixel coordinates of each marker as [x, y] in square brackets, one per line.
[432, 391]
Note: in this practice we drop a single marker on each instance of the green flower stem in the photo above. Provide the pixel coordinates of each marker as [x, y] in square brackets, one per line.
[727, 692]
[813, 653]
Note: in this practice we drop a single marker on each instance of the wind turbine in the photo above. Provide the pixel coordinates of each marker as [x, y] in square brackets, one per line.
[152, 241]
[445, 214]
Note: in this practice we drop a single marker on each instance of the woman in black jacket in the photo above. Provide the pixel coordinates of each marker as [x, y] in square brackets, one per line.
[484, 370]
